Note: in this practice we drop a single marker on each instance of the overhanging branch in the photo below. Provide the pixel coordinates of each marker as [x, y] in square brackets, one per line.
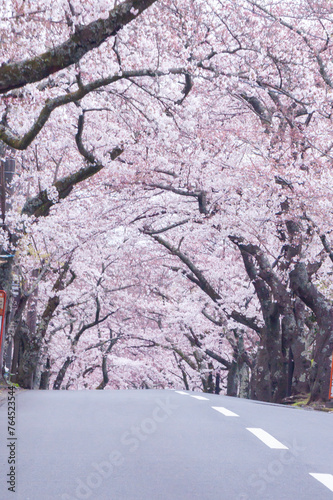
[40, 205]
[199, 279]
[9, 137]
[200, 195]
[85, 38]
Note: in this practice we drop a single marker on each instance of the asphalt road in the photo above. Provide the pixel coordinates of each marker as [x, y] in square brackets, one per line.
[162, 445]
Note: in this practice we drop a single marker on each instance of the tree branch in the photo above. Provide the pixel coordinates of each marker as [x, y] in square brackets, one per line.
[201, 196]
[244, 320]
[85, 38]
[201, 280]
[322, 69]
[22, 142]
[218, 358]
[167, 228]
[40, 205]
[96, 322]
[327, 246]
[238, 317]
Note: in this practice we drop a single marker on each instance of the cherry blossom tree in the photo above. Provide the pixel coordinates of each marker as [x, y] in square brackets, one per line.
[174, 191]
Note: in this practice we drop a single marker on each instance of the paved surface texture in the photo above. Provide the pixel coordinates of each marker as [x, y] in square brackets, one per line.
[163, 445]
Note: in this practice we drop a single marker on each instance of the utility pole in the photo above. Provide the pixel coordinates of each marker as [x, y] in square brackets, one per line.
[3, 192]
[7, 171]
[2, 319]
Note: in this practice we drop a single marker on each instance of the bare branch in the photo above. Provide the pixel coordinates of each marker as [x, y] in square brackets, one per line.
[187, 87]
[257, 106]
[179, 191]
[212, 319]
[96, 322]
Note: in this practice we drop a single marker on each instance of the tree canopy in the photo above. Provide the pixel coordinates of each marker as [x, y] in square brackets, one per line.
[170, 213]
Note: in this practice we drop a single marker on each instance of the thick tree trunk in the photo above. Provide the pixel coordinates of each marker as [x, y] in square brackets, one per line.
[5, 284]
[244, 381]
[238, 383]
[184, 377]
[28, 370]
[299, 345]
[269, 381]
[105, 380]
[208, 380]
[28, 361]
[217, 389]
[232, 380]
[45, 376]
[61, 374]
[323, 311]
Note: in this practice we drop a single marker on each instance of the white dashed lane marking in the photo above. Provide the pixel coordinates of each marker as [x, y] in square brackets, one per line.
[225, 411]
[201, 398]
[326, 479]
[266, 438]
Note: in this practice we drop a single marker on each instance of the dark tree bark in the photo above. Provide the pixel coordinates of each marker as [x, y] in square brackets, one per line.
[45, 376]
[323, 311]
[238, 383]
[85, 38]
[217, 384]
[208, 383]
[26, 364]
[61, 374]
[299, 364]
[105, 372]
[270, 375]
[40, 205]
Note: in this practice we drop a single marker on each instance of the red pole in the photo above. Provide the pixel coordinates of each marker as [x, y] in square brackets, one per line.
[2, 313]
[330, 396]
